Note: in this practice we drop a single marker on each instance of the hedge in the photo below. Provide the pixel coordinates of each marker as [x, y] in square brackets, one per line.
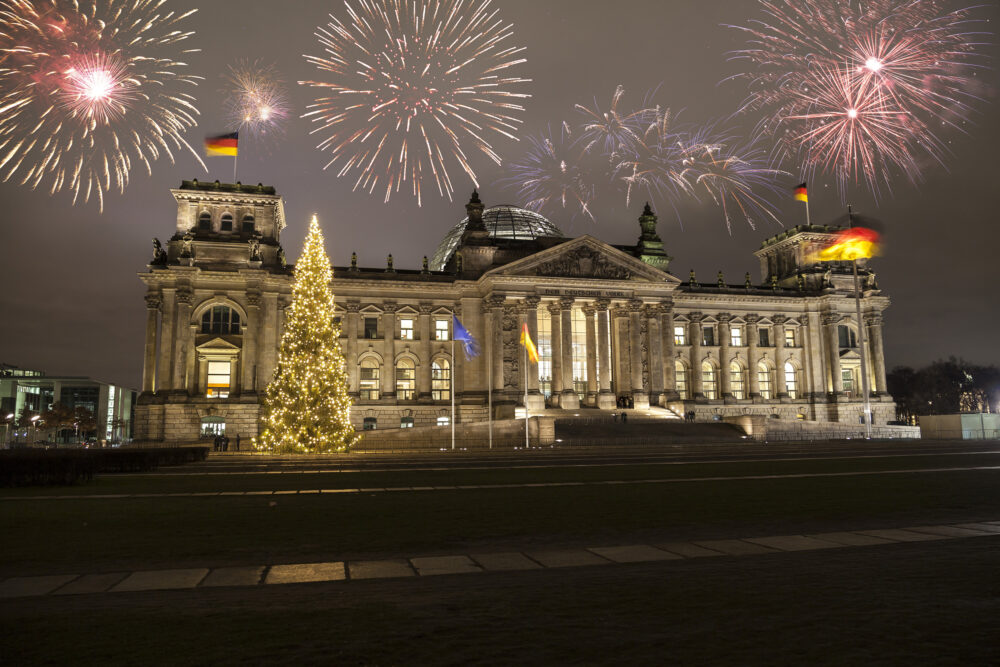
[53, 467]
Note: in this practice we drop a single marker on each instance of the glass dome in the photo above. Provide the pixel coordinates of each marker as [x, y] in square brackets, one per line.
[502, 222]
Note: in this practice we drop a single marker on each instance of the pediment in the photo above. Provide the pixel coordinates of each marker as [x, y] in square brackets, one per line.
[587, 258]
[218, 345]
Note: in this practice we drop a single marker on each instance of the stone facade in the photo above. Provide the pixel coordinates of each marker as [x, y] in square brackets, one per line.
[611, 323]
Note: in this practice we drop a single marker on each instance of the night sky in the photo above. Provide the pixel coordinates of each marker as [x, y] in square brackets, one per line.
[71, 303]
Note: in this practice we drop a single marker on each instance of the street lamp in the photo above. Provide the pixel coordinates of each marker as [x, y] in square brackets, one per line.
[34, 432]
[8, 422]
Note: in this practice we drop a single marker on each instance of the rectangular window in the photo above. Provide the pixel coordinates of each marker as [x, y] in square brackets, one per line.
[440, 381]
[371, 327]
[764, 337]
[847, 376]
[736, 382]
[544, 344]
[708, 335]
[579, 352]
[680, 335]
[789, 337]
[441, 330]
[370, 423]
[790, 384]
[764, 380]
[406, 422]
[369, 380]
[736, 337]
[405, 329]
[847, 336]
[682, 381]
[443, 421]
[405, 383]
[218, 379]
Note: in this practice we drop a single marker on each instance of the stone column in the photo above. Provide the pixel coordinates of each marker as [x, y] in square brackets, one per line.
[569, 399]
[669, 363]
[149, 358]
[830, 323]
[725, 381]
[493, 308]
[753, 356]
[876, 359]
[589, 311]
[190, 375]
[605, 398]
[556, 327]
[779, 355]
[656, 361]
[622, 351]
[250, 361]
[168, 331]
[424, 369]
[530, 310]
[817, 369]
[352, 322]
[184, 300]
[635, 345]
[389, 351]
[694, 333]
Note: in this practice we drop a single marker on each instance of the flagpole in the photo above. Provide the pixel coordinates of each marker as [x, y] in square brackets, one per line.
[861, 339]
[236, 159]
[489, 381]
[525, 376]
[451, 380]
[807, 211]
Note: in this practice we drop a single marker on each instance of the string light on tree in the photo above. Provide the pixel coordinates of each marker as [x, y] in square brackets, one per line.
[306, 407]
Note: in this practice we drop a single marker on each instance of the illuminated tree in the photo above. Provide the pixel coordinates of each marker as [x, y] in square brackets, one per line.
[306, 406]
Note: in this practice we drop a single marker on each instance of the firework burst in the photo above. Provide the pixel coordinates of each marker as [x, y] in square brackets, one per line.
[903, 69]
[257, 99]
[415, 85]
[550, 172]
[89, 90]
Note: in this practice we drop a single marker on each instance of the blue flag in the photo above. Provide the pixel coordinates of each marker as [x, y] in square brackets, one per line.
[462, 335]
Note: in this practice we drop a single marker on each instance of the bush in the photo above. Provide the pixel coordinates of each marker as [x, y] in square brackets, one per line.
[54, 467]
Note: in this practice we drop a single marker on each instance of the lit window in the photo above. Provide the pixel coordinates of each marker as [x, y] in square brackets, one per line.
[680, 335]
[368, 384]
[405, 329]
[370, 423]
[709, 381]
[441, 330]
[443, 421]
[681, 380]
[406, 422]
[789, 337]
[371, 327]
[790, 380]
[736, 337]
[764, 337]
[218, 379]
[544, 344]
[847, 336]
[578, 330]
[708, 335]
[847, 377]
[764, 381]
[736, 384]
[226, 223]
[220, 320]
[441, 380]
[406, 380]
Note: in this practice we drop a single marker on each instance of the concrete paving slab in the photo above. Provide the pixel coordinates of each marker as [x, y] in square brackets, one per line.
[735, 547]
[567, 558]
[302, 573]
[505, 561]
[792, 542]
[849, 539]
[20, 587]
[634, 553]
[234, 576]
[901, 535]
[161, 580]
[434, 565]
[91, 583]
[380, 569]
[949, 531]
[988, 527]
[688, 550]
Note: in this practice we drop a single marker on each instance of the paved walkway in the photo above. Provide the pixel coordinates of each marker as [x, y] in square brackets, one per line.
[668, 480]
[262, 575]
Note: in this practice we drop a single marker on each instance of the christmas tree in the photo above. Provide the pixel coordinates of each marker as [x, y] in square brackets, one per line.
[306, 406]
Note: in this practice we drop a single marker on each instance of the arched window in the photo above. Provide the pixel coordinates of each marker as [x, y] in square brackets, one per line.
[220, 320]
[205, 222]
[406, 379]
[226, 223]
[791, 384]
[441, 380]
[737, 385]
[764, 381]
[709, 380]
[369, 381]
[249, 225]
[680, 371]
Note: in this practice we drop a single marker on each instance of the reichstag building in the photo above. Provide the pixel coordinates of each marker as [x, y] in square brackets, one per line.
[612, 325]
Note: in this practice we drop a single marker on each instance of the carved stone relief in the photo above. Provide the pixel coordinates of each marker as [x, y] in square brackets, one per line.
[583, 262]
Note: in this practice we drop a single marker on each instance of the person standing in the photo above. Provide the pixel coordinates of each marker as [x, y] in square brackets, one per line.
[237, 442]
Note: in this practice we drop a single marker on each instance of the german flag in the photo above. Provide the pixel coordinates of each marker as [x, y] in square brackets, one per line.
[225, 144]
[528, 344]
[801, 194]
[850, 244]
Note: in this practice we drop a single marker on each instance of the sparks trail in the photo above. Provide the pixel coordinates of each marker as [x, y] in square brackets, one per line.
[415, 86]
[256, 98]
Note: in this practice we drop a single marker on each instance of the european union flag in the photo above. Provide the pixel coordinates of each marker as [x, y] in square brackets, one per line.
[462, 335]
